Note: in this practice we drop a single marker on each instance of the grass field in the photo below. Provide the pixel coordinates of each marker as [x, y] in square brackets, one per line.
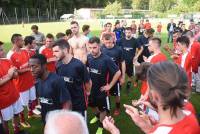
[123, 121]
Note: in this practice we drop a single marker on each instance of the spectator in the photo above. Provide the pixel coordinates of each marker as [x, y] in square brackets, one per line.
[170, 28]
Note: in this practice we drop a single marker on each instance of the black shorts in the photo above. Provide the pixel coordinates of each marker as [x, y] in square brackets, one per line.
[129, 69]
[102, 102]
[115, 90]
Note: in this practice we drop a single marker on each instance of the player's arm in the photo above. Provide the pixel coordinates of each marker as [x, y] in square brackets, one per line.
[138, 53]
[115, 78]
[9, 76]
[88, 86]
[86, 78]
[123, 72]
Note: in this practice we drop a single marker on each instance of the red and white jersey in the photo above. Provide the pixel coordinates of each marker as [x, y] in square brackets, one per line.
[157, 58]
[20, 60]
[189, 107]
[195, 53]
[8, 92]
[31, 52]
[188, 125]
[144, 87]
[185, 61]
[48, 53]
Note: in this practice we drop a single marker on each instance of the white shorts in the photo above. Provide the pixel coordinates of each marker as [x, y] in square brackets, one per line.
[9, 112]
[28, 95]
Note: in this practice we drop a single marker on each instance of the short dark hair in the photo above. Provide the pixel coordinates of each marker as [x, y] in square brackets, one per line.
[34, 27]
[60, 35]
[68, 32]
[183, 40]
[128, 28]
[74, 22]
[85, 28]
[49, 35]
[107, 36]
[28, 40]
[1, 43]
[94, 40]
[170, 81]
[108, 23]
[62, 44]
[156, 40]
[42, 59]
[14, 37]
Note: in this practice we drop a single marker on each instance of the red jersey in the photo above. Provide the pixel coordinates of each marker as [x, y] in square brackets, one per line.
[152, 59]
[144, 87]
[157, 58]
[189, 107]
[186, 62]
[48, 53]
[188, 125]
[147, 26]
[20, 60]
[8, 93]
[195, 53]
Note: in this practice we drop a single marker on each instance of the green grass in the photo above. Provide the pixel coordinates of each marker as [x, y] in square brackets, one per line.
[123, 122]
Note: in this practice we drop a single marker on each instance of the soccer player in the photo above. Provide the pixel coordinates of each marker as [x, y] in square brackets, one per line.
[108, 30]
[143, 42]
[154, 48]
[78, 43]
[86, 31]
[194, 49]
[118, 31]
[115, 53]
[29, 46]
[101, 67]
[68, 34]
[75, 75]
[147, 25]
[10, 103]
[47, 51]
[24, 83]
[129, 46]
[134, 29]
[185, 59]
[51, 90]
[141, 28]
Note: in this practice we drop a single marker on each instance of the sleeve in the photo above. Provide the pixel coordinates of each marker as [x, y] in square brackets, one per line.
[139, 42]
[84, 73]
[112, 67]
[121, 56]
[62, 93]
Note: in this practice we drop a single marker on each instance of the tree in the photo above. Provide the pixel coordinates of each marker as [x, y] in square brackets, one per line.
[163, 5]
[113, 8]
[140, 4]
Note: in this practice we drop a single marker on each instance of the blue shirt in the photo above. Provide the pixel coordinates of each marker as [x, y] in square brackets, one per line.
[143, 41]
[52, 93]
[129, 48]
[114, 53]
[100, 69]
[75, 74]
